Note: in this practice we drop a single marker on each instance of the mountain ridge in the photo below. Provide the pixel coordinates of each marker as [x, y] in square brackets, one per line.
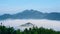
[32, 14]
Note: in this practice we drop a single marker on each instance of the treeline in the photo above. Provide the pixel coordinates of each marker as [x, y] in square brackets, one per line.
[34, 30]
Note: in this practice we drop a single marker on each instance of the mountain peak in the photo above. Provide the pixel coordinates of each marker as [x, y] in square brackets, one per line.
[27, 24]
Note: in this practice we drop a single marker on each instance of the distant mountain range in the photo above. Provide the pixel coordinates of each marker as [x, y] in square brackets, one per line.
[31, 14]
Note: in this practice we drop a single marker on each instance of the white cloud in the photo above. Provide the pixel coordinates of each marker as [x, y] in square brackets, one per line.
[40, 23]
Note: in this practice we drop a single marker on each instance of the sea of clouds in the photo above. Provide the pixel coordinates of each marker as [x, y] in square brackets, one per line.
[53, 24]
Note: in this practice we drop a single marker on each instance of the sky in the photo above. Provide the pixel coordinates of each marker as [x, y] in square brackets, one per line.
[15, 6]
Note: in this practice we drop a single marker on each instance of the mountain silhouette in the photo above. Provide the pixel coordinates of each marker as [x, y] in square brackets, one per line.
[27, 25]
[53, 16]
[5, 16]
[31, 14]
[28, 14]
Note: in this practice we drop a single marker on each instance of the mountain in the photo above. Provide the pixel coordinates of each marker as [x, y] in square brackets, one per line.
[27, 25]
[31, 14]
[53, 16]
[5, 16]
[24, 26]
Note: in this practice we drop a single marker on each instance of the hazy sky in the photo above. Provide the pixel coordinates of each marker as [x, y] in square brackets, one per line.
[15, 6]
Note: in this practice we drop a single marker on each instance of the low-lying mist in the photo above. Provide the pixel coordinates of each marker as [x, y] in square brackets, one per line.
[39, 23]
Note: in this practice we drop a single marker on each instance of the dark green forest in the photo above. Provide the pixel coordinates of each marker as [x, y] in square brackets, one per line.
[34, 30]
